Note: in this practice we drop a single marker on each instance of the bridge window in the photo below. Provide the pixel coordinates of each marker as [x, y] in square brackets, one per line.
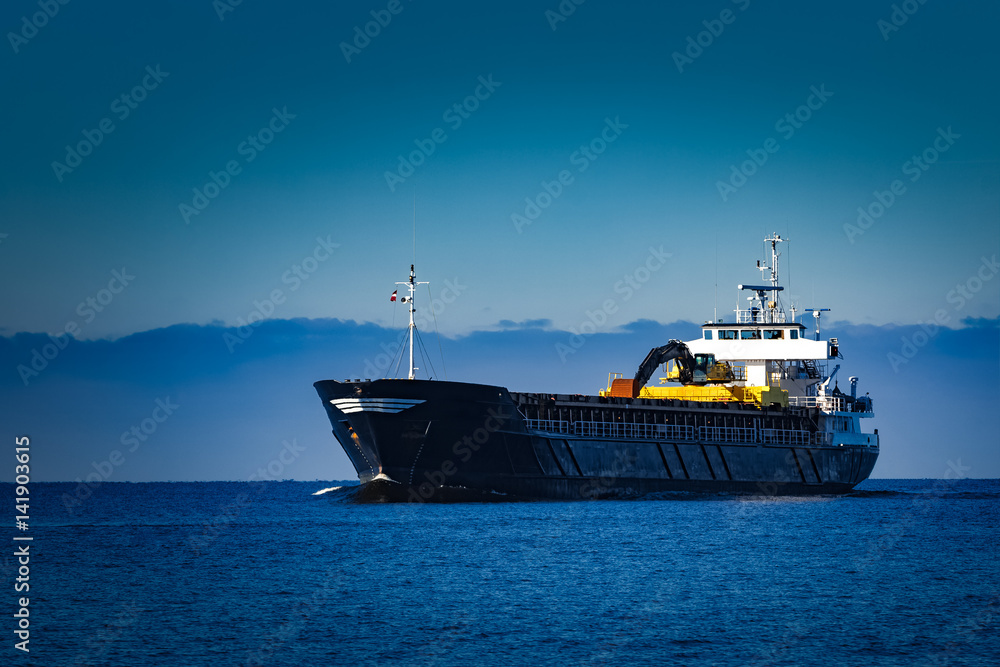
[708, 334]
[794, 334]
[727, 334]
[749, 334]
[772, 334]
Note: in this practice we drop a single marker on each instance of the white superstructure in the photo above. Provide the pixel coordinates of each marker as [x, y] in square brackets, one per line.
[763, 354]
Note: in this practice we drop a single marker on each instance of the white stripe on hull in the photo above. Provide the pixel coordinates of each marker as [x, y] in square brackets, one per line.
[390, 405]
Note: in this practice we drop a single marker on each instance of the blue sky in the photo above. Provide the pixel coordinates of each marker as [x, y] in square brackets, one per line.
[773, 118]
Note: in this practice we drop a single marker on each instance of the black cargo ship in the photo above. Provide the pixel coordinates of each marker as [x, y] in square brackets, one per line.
[755, 415]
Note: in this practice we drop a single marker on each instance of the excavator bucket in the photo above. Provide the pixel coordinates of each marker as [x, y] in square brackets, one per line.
[624, 388]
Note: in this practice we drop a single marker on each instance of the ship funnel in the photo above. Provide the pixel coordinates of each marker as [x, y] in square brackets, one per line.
[854, 386]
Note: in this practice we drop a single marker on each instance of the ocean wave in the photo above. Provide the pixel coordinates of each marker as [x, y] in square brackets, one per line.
[332, 488]
[385, 490]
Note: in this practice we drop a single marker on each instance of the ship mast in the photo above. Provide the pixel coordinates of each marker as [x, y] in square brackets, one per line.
[411, 284]
[764, 309]
[775, 240]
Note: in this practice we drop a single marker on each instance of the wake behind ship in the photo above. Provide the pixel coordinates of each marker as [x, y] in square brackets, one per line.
[757, 412]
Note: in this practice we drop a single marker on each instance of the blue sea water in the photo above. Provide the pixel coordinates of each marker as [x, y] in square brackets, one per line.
[900, 572]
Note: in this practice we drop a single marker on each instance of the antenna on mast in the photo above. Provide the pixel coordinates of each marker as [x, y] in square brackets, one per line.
[411, 285]
[715, 311]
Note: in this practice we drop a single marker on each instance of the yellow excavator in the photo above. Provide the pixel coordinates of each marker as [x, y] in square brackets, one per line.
[704, 379]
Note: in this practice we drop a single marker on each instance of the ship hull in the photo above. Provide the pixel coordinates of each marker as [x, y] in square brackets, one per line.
[430, 441]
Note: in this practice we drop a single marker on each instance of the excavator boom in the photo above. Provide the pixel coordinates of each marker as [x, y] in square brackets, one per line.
[674, 349]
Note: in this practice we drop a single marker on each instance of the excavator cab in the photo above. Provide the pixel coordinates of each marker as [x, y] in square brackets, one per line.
[703, 366]
[704, 370]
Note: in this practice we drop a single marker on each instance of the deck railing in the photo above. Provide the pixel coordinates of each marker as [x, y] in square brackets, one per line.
[638, 431]
[728, 434]
[760, 317]
[548, 425]
[774, 436]
[828, 403]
